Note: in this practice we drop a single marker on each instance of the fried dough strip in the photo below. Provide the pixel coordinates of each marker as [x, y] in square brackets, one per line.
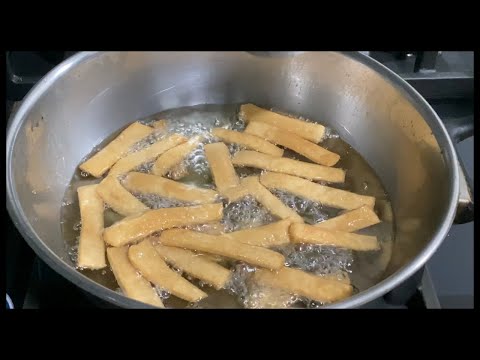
[118, 198]
[153, 184]
[149, 262]
[310, 131]
[318, 288]
[103, 160]
[294, 142]
[91, 247]
[135, 227]
[150, 153]
[328, 196]
[289, 166]
[248, 140]
[219, 245]
[174, 156]
[132, 284]
[196, 265]
[223, 173]
[351, 221]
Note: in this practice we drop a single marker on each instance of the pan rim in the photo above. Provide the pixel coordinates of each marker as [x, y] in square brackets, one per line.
[421, 105]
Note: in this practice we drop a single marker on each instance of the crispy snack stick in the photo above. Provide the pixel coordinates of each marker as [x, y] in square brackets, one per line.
[289, 166]
[196, 265]
[153, 184]
[303, 233]
[251, 186]
[132, 284]
[118, 198]
[318, 288]
[135, 227]
[150, 153]
[294, 142]
[265, 236]
[99, 163]
[328, 196]
[310, 131]
[351, 221]
[223, 173]
[237, 192]
[248, 140]
[149, 262]
[219, 245]
[174, 156]
[91, 247]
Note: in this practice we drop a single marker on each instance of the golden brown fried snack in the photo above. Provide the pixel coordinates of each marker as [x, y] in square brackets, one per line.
[328, 196]
[91, 247]
[318, 288]
[310, 131]
[248, 140]
[151, 265]
[289, 166]
[289, 140]
[153, 184]
[132, 284]
[99, 163]
[351, 221]
[174, 156]
[150, 153]
[223, 173]
[133, 228]
[265, 236]
[196, 265]
[219, 245]
[118, 198]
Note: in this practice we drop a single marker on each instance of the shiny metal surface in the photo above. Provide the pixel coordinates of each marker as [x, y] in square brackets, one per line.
[459, 129]
[90, 95]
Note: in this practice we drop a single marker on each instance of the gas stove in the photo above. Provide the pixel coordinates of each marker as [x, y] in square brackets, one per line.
[445, 79]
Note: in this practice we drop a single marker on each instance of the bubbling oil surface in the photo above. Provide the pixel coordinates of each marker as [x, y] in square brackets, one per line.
[365, 269]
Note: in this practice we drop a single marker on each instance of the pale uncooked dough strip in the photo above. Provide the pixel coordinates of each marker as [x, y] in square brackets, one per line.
[153, 184]
[99, 163]
[221, 167]
[308, 234]
[118, 198]
[289, 166]
[151, 265]
[310, 131]
[133, 228]
[195, 265]
[328, 196]
[150, 153]
[219, 245]
[174, 156]
[318, 288]
[248, 140]
[294, 142]
[131, 283]
[91, 247]
[351, 221]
